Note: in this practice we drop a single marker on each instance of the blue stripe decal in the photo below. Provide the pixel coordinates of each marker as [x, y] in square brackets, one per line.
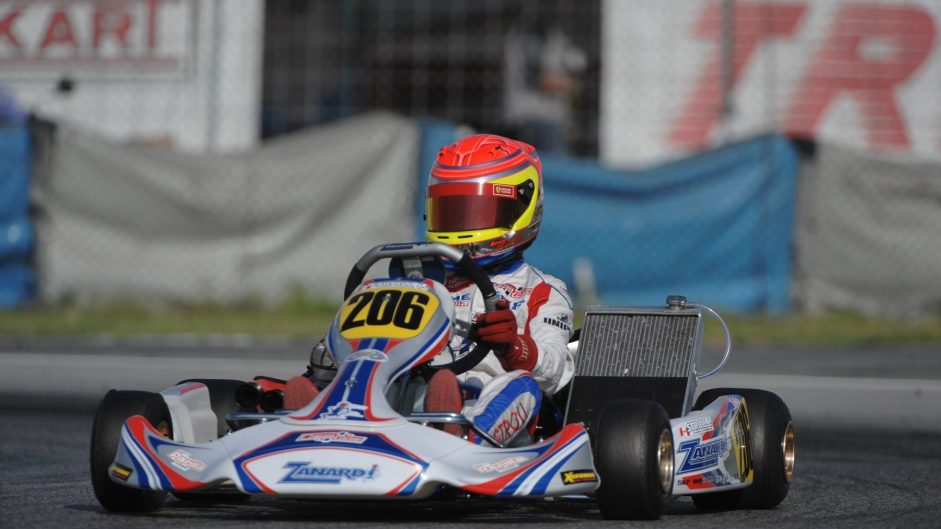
[412, 485]
[543, 482]
[164, 482]
[422, 350]
[248, 484]
[137, 466]
[511, 488]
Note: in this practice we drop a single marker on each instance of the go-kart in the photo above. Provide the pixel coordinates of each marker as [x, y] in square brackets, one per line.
[625, 432]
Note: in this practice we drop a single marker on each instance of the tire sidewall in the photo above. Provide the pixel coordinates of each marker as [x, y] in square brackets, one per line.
[768, 418]
[113, 410]
[627, 437]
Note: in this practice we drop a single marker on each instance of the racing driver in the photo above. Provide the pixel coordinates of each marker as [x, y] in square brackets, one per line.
[485, 196]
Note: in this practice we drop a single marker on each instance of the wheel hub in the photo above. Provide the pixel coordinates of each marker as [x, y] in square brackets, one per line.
[665, 461]
[787, 447]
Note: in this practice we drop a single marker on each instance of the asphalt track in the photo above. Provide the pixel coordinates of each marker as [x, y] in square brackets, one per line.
[868, 447]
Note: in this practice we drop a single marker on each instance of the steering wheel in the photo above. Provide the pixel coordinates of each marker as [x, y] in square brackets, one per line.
[479, 349]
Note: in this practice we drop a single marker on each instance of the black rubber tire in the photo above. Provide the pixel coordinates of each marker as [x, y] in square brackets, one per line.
[222, 401]
[113, 410]
[627, 445]
[769, 419]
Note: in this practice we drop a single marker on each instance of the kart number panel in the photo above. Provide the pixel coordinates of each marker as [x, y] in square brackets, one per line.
[387, 311]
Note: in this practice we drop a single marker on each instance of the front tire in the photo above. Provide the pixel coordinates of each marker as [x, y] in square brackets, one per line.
[115, 408]
[634, 457]
[771, 435]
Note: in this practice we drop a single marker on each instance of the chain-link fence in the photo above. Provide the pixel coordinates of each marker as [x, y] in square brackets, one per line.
[465, 61]
[634, 84]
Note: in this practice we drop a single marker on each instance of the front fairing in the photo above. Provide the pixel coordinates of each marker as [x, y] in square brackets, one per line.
[713, 451]
[349, 442]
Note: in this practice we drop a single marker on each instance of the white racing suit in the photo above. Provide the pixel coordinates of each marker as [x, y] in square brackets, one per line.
[508, 402]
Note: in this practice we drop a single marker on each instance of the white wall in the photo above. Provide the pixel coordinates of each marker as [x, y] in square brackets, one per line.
[182, 72]
[883, 57]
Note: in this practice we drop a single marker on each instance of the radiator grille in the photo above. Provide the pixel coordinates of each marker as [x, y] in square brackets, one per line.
[637, 345]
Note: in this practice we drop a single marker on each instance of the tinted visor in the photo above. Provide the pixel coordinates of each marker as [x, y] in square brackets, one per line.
[475, 212]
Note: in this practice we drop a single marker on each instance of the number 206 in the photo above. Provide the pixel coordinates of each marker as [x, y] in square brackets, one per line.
[382, 307]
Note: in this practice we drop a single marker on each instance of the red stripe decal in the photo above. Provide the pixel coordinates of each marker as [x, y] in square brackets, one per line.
[139, 427]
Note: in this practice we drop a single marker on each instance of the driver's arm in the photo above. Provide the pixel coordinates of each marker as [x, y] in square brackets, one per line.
[548, 324]
[535, 337]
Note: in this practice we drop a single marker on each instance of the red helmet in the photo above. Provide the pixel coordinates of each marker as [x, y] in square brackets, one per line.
[485, 196]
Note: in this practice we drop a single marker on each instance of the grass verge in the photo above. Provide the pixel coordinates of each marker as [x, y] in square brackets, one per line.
[301, 318]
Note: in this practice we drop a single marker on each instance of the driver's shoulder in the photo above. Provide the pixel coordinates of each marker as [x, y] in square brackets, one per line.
[535, 276]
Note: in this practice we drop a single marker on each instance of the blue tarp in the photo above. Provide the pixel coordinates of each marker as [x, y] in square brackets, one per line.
[715, 228]
[17, 281]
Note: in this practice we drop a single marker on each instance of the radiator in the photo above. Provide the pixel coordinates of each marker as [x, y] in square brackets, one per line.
[636, 352]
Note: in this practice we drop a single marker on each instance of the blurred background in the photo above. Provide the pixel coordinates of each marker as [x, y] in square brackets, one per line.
[772, 158]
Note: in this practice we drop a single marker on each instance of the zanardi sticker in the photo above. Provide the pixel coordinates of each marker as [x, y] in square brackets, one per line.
[502, 465]
[701, 455]
[308, 472]
[185, 461]
[332, 437]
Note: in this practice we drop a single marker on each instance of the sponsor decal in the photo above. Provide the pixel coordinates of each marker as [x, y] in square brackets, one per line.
[332, 437]
[514, 418]
[708, 480]
[120, 471]
[504, 191]
[344, 410]
[696, 426]
[308, 472]
[461, 300]
[185, 461]
[512, 291]
[456, 282]
[701, 455]
[396, 283]
[502, 465]
[557, 323]
[574, 477]
[369, 354]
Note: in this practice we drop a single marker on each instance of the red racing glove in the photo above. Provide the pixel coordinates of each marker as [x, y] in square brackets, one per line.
[499, 328]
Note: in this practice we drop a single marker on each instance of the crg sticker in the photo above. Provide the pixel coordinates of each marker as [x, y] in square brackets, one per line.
[502, 465]
[185, 461]
[332, 437]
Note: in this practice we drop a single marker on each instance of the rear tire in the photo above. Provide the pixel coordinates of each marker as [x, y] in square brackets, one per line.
[771, 435]
[115, 408]
[634, 457]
